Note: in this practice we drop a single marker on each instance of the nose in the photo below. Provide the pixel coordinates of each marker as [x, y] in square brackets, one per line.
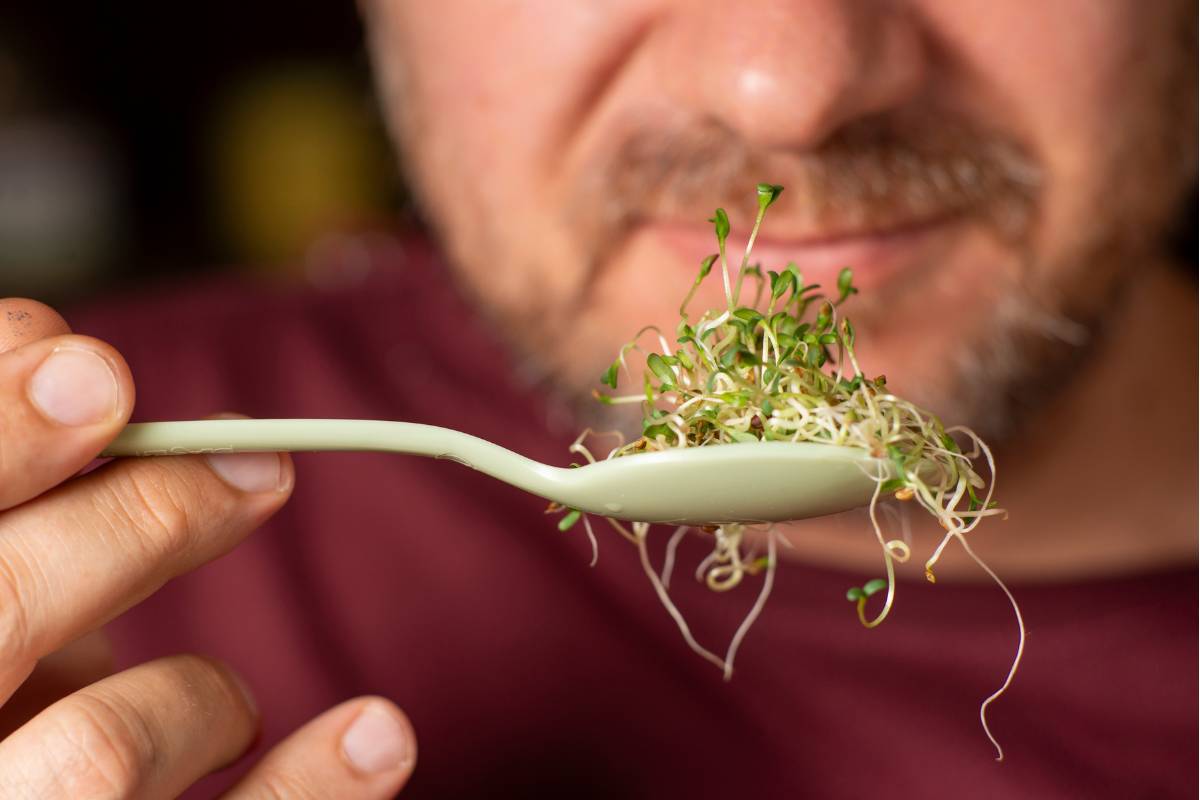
[788, 72]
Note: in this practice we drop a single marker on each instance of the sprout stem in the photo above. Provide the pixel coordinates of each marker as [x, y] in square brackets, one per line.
[661, 591]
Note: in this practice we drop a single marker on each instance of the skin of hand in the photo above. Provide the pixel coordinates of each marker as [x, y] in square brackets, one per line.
[77, 550]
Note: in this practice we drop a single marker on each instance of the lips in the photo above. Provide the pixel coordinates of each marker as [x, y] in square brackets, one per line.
[876, 256]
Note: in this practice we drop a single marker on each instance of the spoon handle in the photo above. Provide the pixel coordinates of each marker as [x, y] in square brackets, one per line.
[298, 435]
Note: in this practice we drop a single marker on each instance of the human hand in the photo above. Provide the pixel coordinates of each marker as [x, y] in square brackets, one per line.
[77, 551]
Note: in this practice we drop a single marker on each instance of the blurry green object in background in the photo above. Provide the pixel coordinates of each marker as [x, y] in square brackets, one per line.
[296, 152]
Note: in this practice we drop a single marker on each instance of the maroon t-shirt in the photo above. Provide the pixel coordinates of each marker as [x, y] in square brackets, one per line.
[526, 673]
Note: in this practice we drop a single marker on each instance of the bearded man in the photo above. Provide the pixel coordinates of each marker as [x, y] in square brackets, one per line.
[1002, 177]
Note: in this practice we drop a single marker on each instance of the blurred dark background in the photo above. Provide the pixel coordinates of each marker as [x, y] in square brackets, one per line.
[165, 139]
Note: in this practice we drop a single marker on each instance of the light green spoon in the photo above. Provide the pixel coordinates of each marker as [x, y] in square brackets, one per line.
[751, 482]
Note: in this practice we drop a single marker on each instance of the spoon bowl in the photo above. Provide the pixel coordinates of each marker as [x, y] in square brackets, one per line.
[747, 482]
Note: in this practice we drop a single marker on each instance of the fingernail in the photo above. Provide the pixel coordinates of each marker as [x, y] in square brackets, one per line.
[75, 386]
[247, 694]
[249, 472]
[377, 741]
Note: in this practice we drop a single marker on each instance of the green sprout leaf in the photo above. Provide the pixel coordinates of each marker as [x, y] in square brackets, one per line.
[823, 318]
[768, 193]
[707, 264]
[861, 593]
[785, 324]
[873, 586]
[845, 284]
[781, 282]
[654, 431]
[720, 221]
[778, 287]
[748, 315]
[661, 369]
[610, 374]
[569, 519]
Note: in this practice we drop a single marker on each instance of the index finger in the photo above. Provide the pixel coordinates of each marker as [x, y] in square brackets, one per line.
[23, 321]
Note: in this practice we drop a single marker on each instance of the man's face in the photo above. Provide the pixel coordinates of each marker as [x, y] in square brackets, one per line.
[989, 170]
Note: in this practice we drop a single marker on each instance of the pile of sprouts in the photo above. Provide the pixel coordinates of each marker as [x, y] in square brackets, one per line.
[782, 368]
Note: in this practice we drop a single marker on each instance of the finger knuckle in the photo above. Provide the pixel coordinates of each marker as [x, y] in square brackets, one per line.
[207, 681]
[7, 466]
[150, 506]
[15, 624]
[108, 740]
[276, 784]
[103, 747]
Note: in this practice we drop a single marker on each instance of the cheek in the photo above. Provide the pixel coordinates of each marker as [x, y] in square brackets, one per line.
[488, 90]
[494, 93]
[1076, 79]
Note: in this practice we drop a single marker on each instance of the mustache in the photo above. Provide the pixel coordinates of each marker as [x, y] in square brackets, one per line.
[871, 174]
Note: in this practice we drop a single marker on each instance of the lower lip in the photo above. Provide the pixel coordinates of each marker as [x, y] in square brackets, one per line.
[875, 258]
